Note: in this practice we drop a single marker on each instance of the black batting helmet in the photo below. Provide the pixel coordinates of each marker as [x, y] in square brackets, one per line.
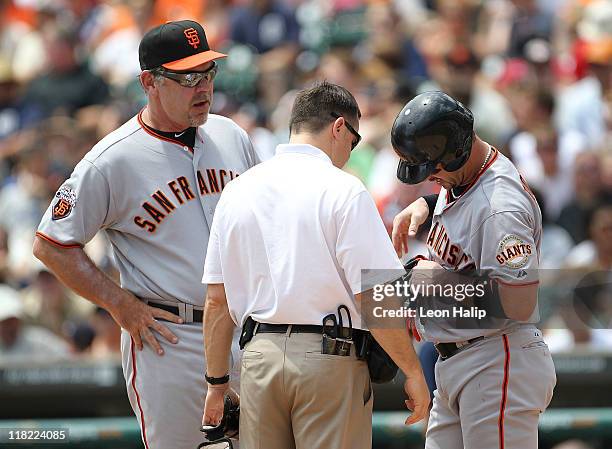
[432, 128]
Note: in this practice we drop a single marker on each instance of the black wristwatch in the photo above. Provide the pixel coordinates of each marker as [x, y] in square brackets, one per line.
[217, 380]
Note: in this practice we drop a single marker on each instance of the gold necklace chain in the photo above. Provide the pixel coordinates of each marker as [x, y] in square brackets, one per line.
[486, 159]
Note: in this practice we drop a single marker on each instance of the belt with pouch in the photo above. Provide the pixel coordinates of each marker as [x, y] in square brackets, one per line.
[447, 350]
[267, 328]
[188, 312]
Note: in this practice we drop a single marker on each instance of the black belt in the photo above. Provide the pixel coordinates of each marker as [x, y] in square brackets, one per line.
[197, 314]
[447, 350]
[267, 328]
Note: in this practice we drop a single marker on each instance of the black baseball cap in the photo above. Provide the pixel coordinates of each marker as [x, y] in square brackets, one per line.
[179, 45]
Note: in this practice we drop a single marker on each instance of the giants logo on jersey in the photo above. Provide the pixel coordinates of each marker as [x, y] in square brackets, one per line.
[66, 201]
[450, 253]
[513, 252]
[181, 192]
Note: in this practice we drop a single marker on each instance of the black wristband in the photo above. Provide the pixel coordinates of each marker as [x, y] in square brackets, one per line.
[431, 201]
[217, 380]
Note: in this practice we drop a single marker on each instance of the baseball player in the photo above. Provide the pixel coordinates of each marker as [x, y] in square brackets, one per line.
[152, 185]
[496, 377]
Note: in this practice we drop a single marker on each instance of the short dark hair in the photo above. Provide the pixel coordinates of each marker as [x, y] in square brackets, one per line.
[313, 107]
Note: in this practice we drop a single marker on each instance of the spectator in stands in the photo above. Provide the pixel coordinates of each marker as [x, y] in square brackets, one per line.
[583, 104]
[588, 192]
[556, 241]
[68, 83]
[21, 342]
[544, 156]
[271, 28]
[80, 337]
[529, 22]
[22, 203]
[10, 113]
[107, 340]
[596, 253]
[49, 304]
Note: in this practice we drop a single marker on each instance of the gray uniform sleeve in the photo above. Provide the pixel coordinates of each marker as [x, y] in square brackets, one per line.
[252, 156]
[504, 245]
[363, 248]
[79, 209]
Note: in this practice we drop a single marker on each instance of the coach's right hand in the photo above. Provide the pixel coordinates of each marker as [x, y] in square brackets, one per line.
[407, 223]
[139, 320]
[418, 396]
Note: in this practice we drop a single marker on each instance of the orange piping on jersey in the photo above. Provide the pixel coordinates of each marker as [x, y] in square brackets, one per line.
[142, 420]
[412, 329]
[504, 398]
[56, 243]
[471, 184]
[159, 136]
[512, 284]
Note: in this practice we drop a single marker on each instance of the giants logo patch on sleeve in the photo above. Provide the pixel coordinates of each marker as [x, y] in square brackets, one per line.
[66, 199]
[513, 252]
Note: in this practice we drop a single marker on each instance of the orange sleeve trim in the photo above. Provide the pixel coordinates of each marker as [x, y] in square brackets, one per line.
[56, 243]
[512, 284]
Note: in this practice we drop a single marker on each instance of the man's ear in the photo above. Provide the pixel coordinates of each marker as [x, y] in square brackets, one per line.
[147, 80]
[337, 126]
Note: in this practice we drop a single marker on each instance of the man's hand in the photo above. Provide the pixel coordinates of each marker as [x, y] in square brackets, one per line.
[138, 319]
[423, 273]
[407, 223]
[418, 397]
[77, 271]
[213, 406]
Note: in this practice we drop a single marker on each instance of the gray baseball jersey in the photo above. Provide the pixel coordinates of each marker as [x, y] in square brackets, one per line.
[154, 198]
[495, 225]
[490, 393]
[150, 195]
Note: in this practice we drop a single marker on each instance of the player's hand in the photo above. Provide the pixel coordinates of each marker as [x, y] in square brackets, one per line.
[425, 264]
[139, 320]
[407, 223]
[424, 273]
[418, 397]
[213, 406]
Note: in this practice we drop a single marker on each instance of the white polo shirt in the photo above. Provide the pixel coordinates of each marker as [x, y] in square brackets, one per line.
[290, 237]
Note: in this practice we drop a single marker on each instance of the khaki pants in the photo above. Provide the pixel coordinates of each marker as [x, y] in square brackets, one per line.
[294, 397]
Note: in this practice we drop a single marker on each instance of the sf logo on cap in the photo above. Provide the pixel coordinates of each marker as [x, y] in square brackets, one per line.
[192, 37]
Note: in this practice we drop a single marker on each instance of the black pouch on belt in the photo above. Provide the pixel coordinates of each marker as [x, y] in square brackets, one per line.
[381, 366]
[247, 332]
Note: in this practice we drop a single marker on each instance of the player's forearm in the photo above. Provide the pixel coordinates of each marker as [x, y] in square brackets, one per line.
[398, 344]
[218, 331]
[518, 302]
[76, 270]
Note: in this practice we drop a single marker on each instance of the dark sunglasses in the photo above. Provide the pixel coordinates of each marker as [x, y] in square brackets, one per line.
[351, 129]
[190, 79]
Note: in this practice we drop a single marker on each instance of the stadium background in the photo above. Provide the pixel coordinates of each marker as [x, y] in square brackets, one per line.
[536, 73]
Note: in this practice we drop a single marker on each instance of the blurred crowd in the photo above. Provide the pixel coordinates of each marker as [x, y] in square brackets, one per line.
[536, 73]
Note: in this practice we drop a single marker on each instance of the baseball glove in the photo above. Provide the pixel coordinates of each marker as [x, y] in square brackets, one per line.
[226, 429]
